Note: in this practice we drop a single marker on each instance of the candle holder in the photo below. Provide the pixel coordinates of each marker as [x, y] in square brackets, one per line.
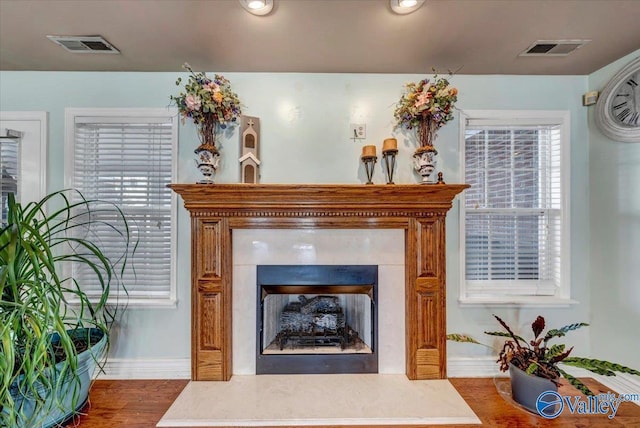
[389, 158]
[369, 163]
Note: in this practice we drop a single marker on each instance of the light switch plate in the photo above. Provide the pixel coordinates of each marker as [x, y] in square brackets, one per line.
[358, 131]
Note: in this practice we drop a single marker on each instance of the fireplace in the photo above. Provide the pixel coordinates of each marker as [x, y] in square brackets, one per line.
[217, 210]
[316, 319]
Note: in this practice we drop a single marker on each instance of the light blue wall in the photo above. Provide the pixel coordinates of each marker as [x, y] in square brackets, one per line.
[614, 176]
[305, 121]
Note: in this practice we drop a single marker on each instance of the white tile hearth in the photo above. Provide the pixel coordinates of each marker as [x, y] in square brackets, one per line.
[302, 400]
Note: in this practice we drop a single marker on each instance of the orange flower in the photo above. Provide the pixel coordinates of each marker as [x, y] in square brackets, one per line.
[217, 96]
[453, 91]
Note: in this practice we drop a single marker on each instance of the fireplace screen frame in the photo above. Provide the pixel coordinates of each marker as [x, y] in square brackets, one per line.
[346, 279]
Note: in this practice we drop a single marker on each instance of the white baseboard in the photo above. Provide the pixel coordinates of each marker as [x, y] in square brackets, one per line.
[473, 367]
[180, 368]
[130, 368]
[621, 383]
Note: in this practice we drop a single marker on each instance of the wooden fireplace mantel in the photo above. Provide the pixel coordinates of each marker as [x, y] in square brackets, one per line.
[217, 209]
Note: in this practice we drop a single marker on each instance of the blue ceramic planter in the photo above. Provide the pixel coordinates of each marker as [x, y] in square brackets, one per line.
[69, 396]
[526, 388]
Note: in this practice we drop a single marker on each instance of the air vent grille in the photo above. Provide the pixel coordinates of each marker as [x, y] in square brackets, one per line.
[84, 44]
[553, 47]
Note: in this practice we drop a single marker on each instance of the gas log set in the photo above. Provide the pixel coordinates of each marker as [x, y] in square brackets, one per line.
[318, 321]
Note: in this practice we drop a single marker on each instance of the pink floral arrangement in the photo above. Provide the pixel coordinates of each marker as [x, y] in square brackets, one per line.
[427, 106]
[210, 103]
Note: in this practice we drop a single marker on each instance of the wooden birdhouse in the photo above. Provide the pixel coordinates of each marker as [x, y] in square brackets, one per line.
[249, 150]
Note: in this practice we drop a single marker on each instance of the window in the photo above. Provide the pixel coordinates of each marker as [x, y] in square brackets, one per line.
[23, 132]
[514, 216]
[9, 163]
[127, 157]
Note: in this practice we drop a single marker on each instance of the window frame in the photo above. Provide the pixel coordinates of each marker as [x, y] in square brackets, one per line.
[169, 113]
[520, 292]
[32, 186]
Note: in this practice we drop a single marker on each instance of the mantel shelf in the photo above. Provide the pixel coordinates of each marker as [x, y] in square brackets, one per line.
[264, 200]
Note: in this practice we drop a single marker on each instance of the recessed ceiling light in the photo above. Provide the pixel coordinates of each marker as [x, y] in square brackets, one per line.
[404, 7]
[256, 4]
[257, 7]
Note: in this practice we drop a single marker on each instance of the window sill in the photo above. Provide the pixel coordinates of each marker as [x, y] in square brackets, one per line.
[137, 303]
[133, 303]
[517, 301]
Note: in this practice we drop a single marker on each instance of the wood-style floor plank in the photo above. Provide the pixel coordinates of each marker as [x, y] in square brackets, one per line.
[128, 403]
[141, 404]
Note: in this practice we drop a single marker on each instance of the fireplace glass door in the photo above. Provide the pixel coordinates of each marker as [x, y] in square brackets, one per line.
[317, 319]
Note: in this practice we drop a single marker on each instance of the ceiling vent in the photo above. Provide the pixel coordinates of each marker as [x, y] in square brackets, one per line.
[84, 44]
[553, 47]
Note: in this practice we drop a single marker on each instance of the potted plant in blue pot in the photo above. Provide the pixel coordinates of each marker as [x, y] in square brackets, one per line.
[534, 365]
[53, 333]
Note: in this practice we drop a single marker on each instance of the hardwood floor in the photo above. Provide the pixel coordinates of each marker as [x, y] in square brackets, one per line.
[141, 404]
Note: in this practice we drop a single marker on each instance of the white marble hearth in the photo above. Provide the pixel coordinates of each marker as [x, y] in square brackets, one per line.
[302, 400]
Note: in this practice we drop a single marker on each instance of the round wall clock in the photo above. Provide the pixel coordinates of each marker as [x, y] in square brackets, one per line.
[618, 107]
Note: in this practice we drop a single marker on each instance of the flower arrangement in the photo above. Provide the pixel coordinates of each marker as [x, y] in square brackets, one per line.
[210, 103]
[427, 106]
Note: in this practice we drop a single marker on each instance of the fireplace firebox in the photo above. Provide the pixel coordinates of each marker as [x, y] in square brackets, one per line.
[316, 319]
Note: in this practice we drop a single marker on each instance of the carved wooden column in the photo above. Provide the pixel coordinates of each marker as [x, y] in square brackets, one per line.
[425, 298]
[217, 209]
[211, 303]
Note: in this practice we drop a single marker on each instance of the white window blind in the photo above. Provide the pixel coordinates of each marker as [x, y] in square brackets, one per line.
[128, 160]
[9, 165]
[513, 211]
[24, 137]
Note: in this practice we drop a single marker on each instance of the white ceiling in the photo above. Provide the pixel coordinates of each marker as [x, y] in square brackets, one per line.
[336, 36]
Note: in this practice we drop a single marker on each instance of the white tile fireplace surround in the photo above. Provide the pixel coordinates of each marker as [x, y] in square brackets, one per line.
[381, 247]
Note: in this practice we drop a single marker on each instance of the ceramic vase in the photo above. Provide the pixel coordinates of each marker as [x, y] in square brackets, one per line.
[207, 161]
[424, 162]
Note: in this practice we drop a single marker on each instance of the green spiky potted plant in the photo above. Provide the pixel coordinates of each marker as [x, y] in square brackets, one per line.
[52, 332]
[534, 365]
